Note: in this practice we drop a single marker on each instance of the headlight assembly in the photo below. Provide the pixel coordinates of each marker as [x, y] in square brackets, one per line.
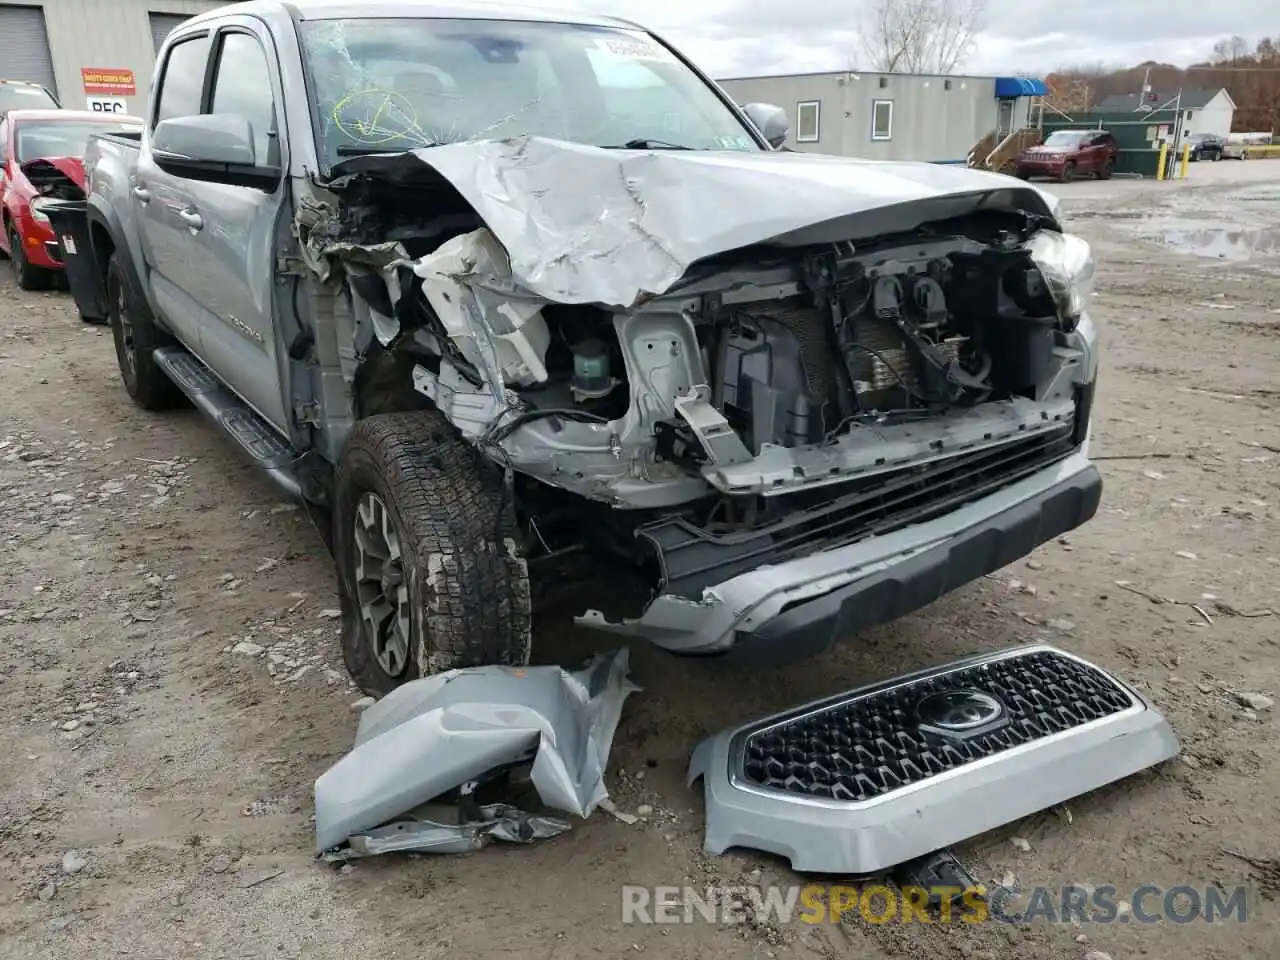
[1066, 263]
[38, 214]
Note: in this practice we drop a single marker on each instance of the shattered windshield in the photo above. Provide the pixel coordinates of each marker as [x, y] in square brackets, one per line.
[393, 84]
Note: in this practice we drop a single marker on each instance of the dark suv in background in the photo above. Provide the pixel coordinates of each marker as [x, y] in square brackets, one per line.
[1066, 154]
[1207, 146]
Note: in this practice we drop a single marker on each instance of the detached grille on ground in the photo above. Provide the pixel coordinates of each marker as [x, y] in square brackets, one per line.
[882, 775]
[873, 745]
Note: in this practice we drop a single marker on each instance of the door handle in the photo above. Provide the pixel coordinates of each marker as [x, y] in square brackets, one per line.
[192, 219]
[142, 193]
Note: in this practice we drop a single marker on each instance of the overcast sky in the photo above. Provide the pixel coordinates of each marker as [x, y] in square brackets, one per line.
[745, 37]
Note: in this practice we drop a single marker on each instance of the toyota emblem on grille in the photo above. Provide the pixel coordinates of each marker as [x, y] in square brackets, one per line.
[957, 711]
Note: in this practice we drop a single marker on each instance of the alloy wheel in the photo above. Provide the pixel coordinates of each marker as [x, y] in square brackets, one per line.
[127, 348]
[382, 588]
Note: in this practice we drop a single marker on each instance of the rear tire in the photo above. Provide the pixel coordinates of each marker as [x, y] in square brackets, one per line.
[26, 276]
[135, 334]
[1108, 168]
[423, 542]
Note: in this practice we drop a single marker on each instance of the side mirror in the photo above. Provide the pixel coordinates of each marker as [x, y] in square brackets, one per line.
[218, 147]
[770, 120]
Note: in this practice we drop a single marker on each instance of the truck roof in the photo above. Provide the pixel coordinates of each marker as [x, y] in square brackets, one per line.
[76, 116]
[410, 9]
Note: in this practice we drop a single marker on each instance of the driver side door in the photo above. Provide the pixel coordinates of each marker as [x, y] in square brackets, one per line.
[1090, 151]
[233, 280]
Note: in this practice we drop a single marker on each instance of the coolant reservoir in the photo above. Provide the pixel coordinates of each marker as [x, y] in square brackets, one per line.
[591, 378]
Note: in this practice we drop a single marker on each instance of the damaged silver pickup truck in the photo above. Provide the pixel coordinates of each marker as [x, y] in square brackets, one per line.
[496, 293]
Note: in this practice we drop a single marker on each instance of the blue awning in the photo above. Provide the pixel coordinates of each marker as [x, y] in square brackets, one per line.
[1020, 87]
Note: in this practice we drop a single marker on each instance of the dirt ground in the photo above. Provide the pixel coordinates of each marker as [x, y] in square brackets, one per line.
[173, 776]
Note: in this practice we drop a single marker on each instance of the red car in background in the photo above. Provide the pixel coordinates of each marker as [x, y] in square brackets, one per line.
[42, 159]
[1067, 154]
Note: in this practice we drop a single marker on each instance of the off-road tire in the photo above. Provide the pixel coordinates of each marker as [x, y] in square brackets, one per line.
[1068, 173]
[468, 590]
[133, 330]
[1108, 168]
[25, 275]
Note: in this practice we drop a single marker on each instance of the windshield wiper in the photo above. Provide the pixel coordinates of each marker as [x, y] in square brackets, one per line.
[354, 150]
[646, 144]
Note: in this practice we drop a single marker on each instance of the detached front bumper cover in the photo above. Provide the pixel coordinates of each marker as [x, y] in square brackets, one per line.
[879, 776]
[443, 733]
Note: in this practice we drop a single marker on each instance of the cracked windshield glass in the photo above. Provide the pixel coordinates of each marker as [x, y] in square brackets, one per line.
[388, 85]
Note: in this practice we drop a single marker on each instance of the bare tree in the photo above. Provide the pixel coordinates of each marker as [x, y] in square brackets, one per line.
[1231, 51]
[921, 36]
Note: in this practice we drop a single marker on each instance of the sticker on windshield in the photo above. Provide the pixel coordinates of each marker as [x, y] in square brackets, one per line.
[634, 48]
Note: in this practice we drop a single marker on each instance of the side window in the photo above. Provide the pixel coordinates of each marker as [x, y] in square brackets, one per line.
[808, 121]
[882, 120]
[242, 86]
[182, 83]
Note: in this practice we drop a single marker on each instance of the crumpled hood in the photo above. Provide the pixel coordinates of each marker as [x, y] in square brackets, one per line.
[586, 225]
[71, 167]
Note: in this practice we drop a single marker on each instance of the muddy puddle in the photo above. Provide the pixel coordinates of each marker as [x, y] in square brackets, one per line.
[1238, 242]
[1239, 227]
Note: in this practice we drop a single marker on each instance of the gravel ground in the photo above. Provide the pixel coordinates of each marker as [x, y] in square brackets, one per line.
[155, 800]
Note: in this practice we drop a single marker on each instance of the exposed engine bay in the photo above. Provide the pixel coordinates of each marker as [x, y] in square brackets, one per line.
[774, 398]
[51, 182]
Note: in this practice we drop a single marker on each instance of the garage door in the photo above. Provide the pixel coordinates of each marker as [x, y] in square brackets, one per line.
[162, 23]
[24, 46]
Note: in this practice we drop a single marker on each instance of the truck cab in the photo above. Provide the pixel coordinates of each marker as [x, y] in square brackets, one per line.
[512, 299]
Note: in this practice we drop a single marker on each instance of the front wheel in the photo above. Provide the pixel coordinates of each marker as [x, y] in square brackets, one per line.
[25, 275]
[424, 542]
[1068, 173]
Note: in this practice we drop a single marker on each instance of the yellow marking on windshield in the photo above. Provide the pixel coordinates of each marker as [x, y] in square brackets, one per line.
[361, 114]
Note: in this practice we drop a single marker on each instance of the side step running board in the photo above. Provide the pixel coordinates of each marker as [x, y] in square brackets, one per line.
[871, 779]
[264, 447]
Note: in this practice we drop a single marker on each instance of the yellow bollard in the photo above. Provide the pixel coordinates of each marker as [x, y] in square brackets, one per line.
[1186, 160]
[1164, 155]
